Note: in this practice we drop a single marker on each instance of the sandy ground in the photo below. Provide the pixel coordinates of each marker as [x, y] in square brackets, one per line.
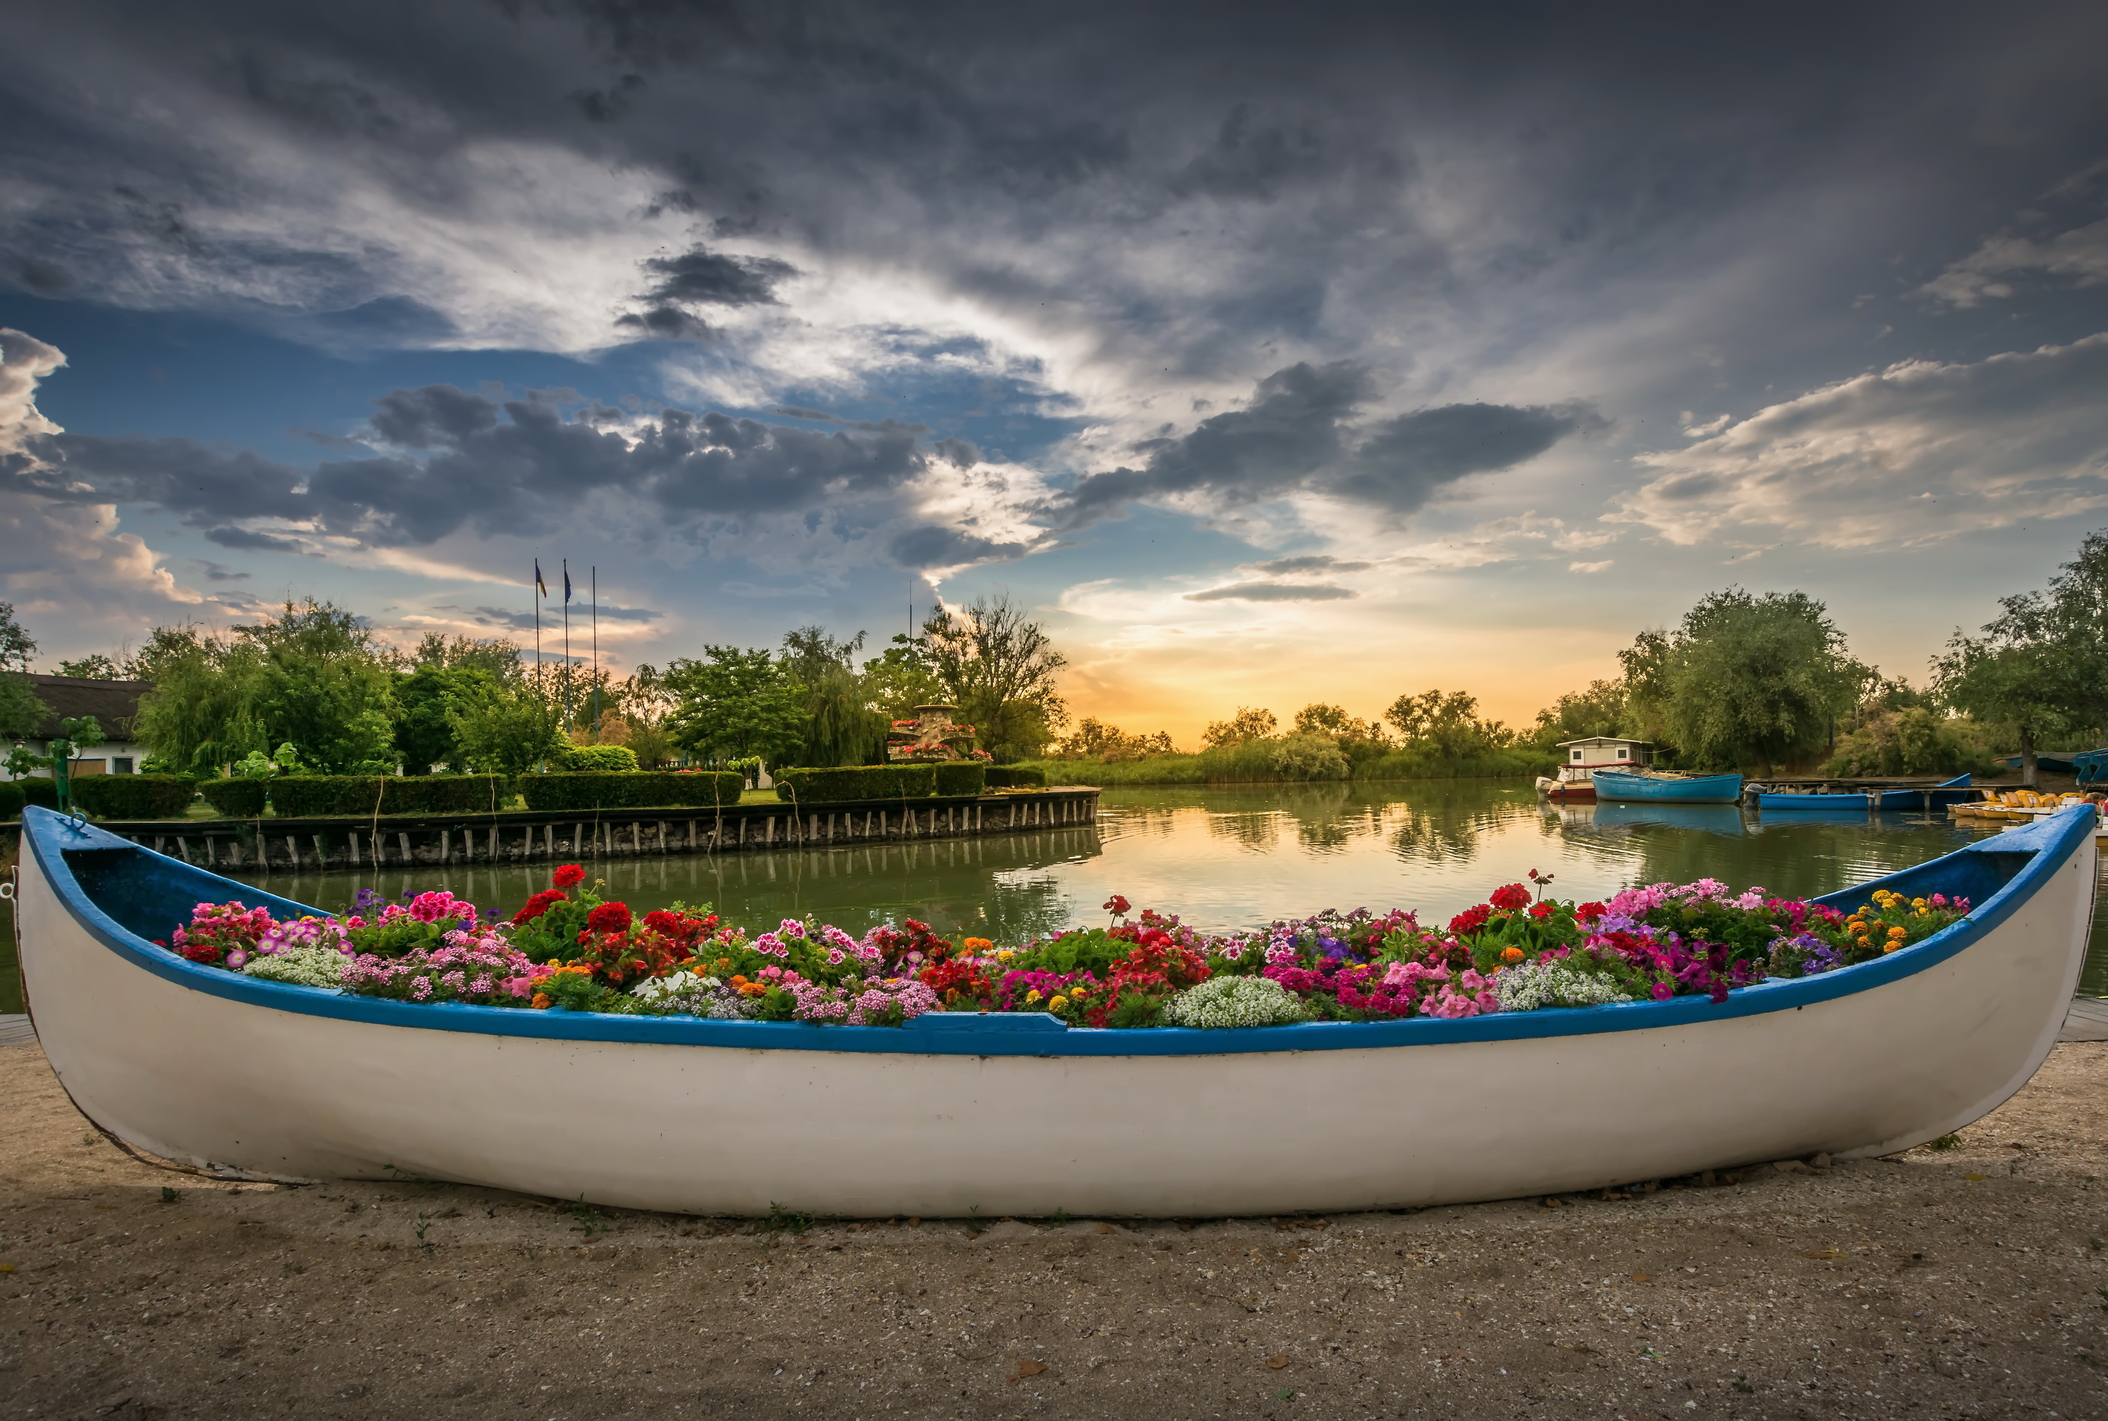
[1967, 1282]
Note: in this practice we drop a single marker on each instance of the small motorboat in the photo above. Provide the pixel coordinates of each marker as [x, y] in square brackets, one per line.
[1018, 1113]
[1662, 787]
[1939, 796]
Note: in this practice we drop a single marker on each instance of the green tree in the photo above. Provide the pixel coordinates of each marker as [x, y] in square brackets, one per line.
[646, 703]
[2018, 675]
[735, 703]
[1446, 725]
[504, 727]
[1001, 670]
[1600, 710]
[1745, 679]
[1355, 738]
[21, 710]
[900, 678]
[1247, 725]
[424, 704]
[842, 725]
[93, 667]
[497, 657]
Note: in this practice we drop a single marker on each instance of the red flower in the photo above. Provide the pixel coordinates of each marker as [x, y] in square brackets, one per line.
[609, 918]
[1470, 920]
[1541, 910]
[568, 875]
[1589, 912]
[1510, 898]
[1116, 904]
[539, 904]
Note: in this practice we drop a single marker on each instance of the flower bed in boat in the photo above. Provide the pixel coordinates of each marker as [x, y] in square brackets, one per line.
[568, 947]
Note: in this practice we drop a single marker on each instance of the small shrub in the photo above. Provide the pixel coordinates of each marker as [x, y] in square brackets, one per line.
[596, 760]
[854, 782]
[135, 796]
[1016, 777]
[11, 799]
[639, 789]
[42, 792]
[236, 798]
[1945, 1142]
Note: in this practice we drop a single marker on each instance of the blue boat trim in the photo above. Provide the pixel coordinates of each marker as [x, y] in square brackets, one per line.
[1647, 789]
[2047, 843]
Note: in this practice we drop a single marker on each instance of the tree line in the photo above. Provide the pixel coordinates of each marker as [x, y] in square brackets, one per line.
[313, 688]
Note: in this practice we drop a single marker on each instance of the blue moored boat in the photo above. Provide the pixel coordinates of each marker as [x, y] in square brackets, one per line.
[1665, 789]
[1954, 791]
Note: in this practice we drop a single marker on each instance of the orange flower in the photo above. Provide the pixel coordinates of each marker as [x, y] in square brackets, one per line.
[977, 944]
[1511, 954]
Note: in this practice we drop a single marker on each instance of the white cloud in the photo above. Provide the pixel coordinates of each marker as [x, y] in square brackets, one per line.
[2081, 255]
[1913, 454]
[1591, 566]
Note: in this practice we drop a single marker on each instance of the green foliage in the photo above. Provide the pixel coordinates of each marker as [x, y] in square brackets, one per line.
[21, 711]
[495, 657]
[644, 789]
[1014, 777]
[237, 798]
[93, 667]
[1912, 742]
[1600, 710]
[312, 676]
[596, 759]
[425, 701]
[505, 728]
[1245, 726]
[999, 669]
[1085, 950]
[1307, 757]
[1252, 763]
[317, 796]
[901, 678]
[1744, 679]
[1446, 725]
[40, 791]
[841, 726]
[11, 799]
[135, 796]
[734, 703]
[1093, 739]
[858, 782]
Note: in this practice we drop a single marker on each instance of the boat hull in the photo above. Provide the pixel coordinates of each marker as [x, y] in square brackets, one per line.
[1644, 789]
[1017, 1116]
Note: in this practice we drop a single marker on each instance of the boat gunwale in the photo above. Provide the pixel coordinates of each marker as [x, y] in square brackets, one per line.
[2047, 843]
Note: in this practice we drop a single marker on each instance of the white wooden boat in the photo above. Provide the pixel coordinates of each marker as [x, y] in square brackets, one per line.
[1018, 1114]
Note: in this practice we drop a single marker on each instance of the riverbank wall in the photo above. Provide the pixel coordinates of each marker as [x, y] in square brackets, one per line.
[527, 836]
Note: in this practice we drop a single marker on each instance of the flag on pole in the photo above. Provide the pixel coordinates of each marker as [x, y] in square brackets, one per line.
[567, 581]
[539, 585]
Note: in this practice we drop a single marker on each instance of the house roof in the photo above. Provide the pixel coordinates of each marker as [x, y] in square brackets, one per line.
[1600, 740]
[112, 703]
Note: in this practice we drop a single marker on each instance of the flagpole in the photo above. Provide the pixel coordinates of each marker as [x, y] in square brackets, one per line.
[567, 648]
[596, 653]
[534, 595]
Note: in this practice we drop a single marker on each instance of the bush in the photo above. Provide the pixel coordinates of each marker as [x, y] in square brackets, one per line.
[1912, 742]
[11, 799]
[853, 782]
[597, 760]
[1016, 777]
[40, 791]
[1308, 757]
[639, 789]
[135, 796]
[238, 798]
[303, 796]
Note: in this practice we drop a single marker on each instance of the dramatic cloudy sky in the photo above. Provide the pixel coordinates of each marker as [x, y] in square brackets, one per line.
[1271, 353]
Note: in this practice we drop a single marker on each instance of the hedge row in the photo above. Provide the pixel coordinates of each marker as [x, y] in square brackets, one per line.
[237, 799]
[305, 796]
[39, 791]
[135, 796]
[1016, 777]
[642, 789]
[11, 798]
[825, 786]
[596, 759]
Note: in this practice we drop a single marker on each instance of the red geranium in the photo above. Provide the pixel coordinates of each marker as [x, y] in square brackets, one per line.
[678, 928]
[1589, 912]
[1541, 910]
[1510, 898]
[1116, 905]
[568, 875]
[609, 918]
[1470, 920]
[539, 904]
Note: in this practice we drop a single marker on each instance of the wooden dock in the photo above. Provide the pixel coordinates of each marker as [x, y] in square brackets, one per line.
[527, 836]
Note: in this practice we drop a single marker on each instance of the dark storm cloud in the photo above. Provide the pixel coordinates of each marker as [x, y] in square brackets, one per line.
[1299, 434]
[701, 276]
[494, 467]
[1272, 592]
[934, 546]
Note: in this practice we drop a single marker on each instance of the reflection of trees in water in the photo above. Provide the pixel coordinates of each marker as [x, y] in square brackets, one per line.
[1792, 859]
[1444, 823]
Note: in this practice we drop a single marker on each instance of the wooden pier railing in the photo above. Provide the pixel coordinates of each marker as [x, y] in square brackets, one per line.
[525, 836]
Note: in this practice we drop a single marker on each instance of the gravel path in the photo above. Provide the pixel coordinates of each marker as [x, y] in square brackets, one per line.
[1965, 1283]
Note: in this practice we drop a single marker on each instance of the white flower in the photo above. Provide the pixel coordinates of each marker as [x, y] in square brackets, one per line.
[1235, 1001]
[313, 966]
[1531, 985]
[651, 989]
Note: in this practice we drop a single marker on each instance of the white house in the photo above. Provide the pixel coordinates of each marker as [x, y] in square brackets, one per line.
[1604, 752]
[114, 704]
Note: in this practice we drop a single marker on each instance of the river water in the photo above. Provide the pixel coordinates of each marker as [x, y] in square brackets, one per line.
[1228, 857]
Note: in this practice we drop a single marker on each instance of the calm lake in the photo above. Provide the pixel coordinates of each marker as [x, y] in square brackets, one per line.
[1226, 858]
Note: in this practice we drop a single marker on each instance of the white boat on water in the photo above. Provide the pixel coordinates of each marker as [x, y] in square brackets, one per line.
[1018, 1114]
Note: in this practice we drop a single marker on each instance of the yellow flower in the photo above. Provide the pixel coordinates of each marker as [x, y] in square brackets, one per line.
[1006, 955]
[1918, 903]
[1057, 1003]
[1033, 995]
[1897, 933]
[1890, 946]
